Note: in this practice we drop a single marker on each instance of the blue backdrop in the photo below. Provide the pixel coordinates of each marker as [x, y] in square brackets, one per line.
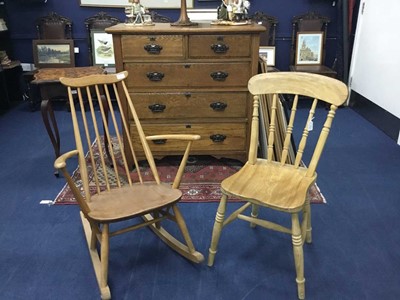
[22, 16]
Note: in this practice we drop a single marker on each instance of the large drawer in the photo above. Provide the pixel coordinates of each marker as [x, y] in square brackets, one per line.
[190, 105]
[181, 75]
[152, 47]
[219, 46]
[214, 136]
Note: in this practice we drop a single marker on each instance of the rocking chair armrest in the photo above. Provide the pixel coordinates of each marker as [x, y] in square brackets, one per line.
[185, 137]
[61, 161]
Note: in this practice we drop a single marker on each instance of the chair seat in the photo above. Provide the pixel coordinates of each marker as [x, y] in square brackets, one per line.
[121, 203]
[270, 184]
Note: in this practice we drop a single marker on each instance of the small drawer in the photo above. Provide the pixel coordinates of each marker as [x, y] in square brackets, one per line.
[214, 136]
[152, 47]
[190, 105]
[180, 75]
[219, 46]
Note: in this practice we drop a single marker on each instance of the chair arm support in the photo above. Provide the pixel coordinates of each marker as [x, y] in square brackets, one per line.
[184, 137]
[61, 161]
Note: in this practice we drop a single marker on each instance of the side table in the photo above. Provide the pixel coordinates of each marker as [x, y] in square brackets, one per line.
[47, 79]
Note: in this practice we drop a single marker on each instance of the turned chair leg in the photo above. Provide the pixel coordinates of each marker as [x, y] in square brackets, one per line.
[254, 213]
[307, 211]
[298, 255]
[219, 219]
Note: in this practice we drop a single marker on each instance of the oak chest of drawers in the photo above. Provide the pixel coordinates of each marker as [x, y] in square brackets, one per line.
[191, 80]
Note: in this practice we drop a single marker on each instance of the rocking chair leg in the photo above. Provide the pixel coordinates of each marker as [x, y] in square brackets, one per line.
[187, 250]
[98, 265]
[183, 228]
[298, 255]
[104, 251]
[219, 219]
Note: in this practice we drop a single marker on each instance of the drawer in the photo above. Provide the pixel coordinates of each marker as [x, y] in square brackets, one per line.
[219, 46]
[190, 105]
[152, 47]
[214, 136]
[182, 75]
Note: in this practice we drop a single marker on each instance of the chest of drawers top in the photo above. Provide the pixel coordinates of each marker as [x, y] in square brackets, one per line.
[165, 28]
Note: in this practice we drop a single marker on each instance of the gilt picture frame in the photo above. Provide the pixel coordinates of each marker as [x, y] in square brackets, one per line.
[268, 53]
[102, 48]
[309, 48]
[53, 53]
[165, 4]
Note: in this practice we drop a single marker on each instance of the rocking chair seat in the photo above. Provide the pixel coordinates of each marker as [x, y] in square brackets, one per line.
[270, 184]
[130, 201]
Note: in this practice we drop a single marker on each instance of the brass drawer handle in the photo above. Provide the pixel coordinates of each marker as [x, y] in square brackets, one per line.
[218, 138]
[219, 75]
[155, 76]
[157, 108]
[220, 48]
[153, 48]
[218, 106]
[160, 142]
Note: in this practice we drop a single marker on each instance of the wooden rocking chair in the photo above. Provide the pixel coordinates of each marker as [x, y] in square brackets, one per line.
[275, 183]
[123, 198]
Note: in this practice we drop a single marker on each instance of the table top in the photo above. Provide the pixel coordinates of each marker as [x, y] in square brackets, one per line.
[319, 69]
[52, 75]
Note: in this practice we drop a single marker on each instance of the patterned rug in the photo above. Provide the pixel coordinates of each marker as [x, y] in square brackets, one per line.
[200, 182]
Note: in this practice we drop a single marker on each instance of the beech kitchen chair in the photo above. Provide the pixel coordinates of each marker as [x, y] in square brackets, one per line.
[123, 197]
[277, 184]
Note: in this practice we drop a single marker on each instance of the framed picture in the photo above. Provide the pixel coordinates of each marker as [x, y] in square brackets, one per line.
[53, 53]
[102, 48]
[309, 48]
[145, 3]
[268, 54]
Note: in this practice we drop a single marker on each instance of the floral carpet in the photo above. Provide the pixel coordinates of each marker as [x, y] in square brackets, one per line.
[200, 182]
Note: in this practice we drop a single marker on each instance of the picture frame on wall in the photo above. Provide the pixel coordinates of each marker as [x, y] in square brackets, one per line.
[146, 3]
[53, 53]
[102, 48]
[309, 48]
[268, 53]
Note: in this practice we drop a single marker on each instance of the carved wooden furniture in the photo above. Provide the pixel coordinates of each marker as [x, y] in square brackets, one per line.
[280, 185]
[53, 27]
[157, 18]
[98, 22]
[267, 38]
[191, 79]
[312, 22]
[126, 197]
[49, 84]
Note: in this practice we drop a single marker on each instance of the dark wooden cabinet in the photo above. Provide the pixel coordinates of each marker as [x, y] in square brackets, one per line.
[10, 70]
